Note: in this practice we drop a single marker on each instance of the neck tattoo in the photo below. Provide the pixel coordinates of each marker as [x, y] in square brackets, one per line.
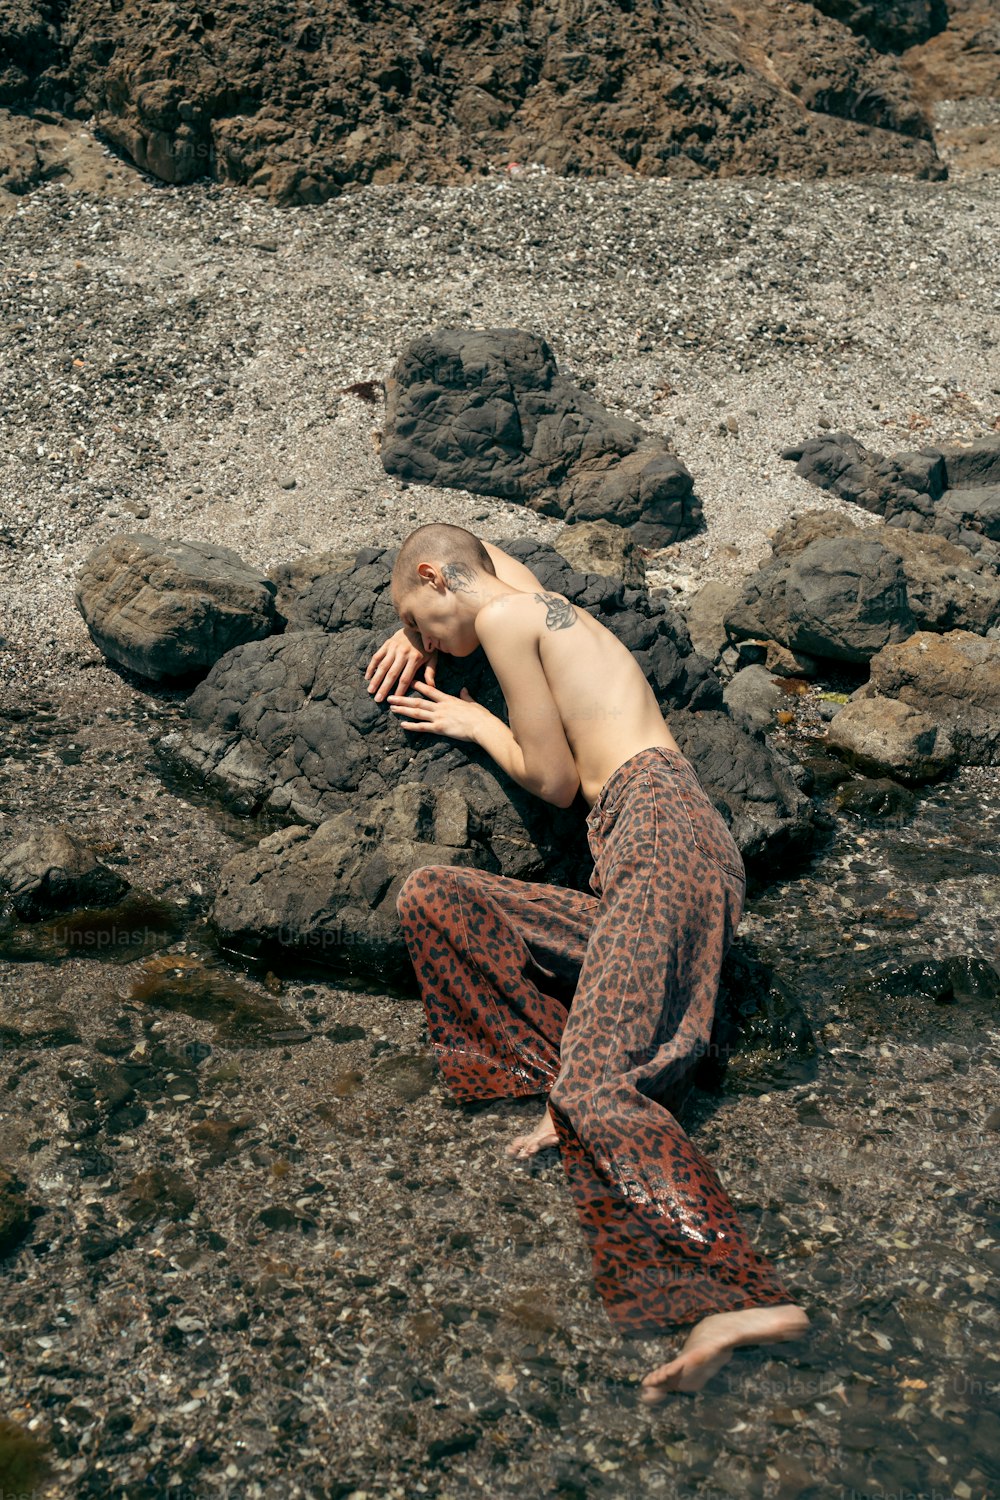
[459, 577]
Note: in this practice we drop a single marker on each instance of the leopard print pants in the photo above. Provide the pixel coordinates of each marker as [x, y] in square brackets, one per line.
[606, 1003]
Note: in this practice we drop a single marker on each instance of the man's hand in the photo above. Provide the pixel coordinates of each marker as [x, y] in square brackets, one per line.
[436, 712]
[397, 663]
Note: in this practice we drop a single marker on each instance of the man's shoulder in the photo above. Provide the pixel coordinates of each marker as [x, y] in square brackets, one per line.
[516, 610]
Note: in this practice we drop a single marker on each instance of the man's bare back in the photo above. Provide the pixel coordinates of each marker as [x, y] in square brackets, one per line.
[607, 708]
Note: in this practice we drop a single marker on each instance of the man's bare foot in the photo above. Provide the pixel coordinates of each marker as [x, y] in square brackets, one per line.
[711, 1342]
[544, 1134]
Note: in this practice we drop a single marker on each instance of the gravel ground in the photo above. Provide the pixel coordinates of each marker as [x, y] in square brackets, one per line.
[411, 1315]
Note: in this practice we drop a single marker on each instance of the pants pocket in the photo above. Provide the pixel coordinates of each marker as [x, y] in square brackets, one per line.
[708, 831]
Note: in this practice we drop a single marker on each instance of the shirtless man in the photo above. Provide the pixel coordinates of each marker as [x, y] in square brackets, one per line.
[644, 951]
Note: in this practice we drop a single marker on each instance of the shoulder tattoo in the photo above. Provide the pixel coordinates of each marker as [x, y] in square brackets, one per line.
[458, 576]
[559, 613]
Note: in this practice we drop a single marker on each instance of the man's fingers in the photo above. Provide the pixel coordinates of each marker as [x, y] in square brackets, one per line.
[429, 674]
[383, 682]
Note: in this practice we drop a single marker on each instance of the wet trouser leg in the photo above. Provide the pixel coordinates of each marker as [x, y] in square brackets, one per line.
[496, 960]
[491, 955]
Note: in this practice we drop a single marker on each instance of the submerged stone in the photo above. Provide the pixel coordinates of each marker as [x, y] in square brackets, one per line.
[158, 1193]
[117, 934]
[879, 798]
[184, 983]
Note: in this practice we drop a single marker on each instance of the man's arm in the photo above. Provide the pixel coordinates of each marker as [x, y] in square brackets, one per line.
[534, 751]
[537, 754]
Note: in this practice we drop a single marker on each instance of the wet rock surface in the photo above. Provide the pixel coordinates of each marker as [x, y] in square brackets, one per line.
[166, 608]
[838, 592]
[487, 411]
[319, 1246]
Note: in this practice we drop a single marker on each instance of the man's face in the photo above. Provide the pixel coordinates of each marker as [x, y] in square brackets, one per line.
[436, 618]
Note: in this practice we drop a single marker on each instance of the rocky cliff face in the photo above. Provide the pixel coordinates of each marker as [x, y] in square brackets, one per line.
[299, 99]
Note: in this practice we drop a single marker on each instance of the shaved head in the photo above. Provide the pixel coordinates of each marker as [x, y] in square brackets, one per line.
[454, 550]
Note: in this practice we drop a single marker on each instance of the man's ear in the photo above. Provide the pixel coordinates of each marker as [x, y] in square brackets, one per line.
[428, 573]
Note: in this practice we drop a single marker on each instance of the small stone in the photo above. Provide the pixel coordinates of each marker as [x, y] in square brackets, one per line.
[286, 481]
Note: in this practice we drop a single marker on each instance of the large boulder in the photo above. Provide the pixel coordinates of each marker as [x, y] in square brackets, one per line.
[166, 608]
[487, 411]
[955, 680]
[53, 871]
[953, 491]
[889, 737]
[287, 725]
[842, 592]
[329, 894]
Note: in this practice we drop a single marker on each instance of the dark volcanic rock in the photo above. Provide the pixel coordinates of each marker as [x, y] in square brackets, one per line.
[15, 1216]
[52, 871]
[952, 491]
[487, 411]
[287, 725]
[837, 591]
[753, 787]
[299, 104]
[28, 45]
[330, 894]
[170, 608]
[890, 25]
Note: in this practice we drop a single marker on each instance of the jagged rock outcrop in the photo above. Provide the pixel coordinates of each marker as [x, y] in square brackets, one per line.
[300, 103]
[29, 44]
[166, 608]
[839, 591]
[951, 491]
[287, 725]
[487, 410]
